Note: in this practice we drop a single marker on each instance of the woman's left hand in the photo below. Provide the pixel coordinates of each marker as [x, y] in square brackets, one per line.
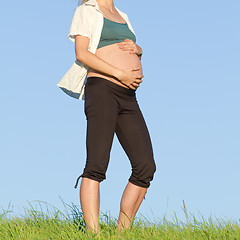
[130, 46]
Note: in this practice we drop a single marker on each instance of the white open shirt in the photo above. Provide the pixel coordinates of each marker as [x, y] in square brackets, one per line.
[87, 21]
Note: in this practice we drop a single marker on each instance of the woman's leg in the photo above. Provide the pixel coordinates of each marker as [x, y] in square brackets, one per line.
[134, 137]
[101, 111]
[131, 200]
[90, 202]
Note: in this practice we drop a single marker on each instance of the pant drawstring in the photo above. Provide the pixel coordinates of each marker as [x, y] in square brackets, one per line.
[77, 182]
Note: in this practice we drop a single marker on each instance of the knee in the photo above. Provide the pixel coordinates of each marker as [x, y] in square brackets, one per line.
[154, 168]
[150, 170]
[95, 170]
[91, 174]
[143, 174]
[94, 175]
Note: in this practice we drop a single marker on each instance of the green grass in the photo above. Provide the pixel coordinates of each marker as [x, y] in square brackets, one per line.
[54, 224]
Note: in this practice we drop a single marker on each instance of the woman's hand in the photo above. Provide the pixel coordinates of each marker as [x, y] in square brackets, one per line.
[130, 78]
[130, 46]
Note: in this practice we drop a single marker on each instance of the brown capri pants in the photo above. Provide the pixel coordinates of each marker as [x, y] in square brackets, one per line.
[111, 108]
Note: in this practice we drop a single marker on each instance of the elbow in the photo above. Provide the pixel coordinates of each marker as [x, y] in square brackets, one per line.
[82, 56]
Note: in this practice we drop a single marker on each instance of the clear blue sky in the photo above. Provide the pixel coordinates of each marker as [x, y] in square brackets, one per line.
[190, 98]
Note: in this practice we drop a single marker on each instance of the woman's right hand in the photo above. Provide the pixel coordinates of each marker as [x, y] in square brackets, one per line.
[130, 78]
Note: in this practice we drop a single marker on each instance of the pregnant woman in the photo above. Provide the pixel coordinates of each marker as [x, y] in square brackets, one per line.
[109, 59]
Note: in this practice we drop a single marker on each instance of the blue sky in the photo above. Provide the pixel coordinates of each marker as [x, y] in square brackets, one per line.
[190, 98]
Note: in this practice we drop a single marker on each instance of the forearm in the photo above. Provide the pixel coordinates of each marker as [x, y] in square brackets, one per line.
[98, 64]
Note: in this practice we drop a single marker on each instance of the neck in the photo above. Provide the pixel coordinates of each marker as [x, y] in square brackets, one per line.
[106, 4]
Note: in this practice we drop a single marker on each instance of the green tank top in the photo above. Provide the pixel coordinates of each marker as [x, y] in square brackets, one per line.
[113, 32]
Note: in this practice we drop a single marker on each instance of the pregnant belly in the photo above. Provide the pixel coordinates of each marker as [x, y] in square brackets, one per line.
[120, 59]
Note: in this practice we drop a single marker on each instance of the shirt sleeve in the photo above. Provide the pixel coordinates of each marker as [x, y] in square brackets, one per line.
[80, 23]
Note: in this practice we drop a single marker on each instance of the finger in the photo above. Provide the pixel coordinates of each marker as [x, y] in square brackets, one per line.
[134, 52]
[135, 69]
[130, 86]
[138, 80]
[129, 48]
[139, 76]
[126, 43]
[123, 43]
[135, 84]
[126, 47]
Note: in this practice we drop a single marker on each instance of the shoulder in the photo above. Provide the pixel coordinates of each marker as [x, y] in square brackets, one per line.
[84, 13]
[84, 10]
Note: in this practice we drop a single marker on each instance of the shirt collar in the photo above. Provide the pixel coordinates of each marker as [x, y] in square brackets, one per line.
[94, 3]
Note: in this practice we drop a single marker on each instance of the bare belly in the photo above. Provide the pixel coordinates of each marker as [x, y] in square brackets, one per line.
[115, 56]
